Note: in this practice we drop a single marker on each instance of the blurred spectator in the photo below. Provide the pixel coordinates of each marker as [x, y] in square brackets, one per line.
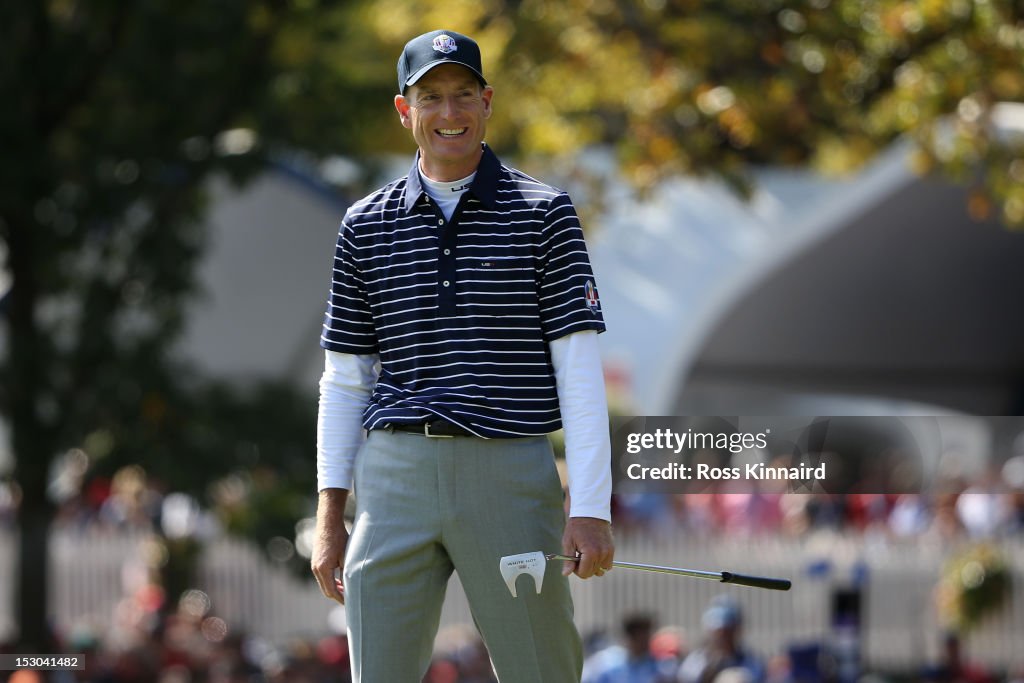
[650, 511]
[460, 656]
[25, 676]
[332, 651]
[867, 512]
[722, 650]
[698, 511]
[805, 662]
[826, 511]
[86, 643]
[953, 668]
[910, 516]
[734, 674]
[132, 504]
[442, 670]
[946, 525]
[1015, 519]
[779, 669]
[983, 508]
[633, 662]
[749, 513]
[473, 663]
[669, 647]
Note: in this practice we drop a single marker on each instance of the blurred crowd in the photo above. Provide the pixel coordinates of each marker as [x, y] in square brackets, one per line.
[177, 651]
[181, 647]
[188, 644]
[985, 505]
[647, 654]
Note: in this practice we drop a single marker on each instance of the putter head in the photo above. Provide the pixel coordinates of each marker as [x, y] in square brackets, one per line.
[524, 563]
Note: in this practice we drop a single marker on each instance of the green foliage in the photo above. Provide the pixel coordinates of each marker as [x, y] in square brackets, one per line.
[974, 583]
[713, 87]
[189, 434]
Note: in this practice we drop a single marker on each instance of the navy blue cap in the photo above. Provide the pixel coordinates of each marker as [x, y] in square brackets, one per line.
[423, 53]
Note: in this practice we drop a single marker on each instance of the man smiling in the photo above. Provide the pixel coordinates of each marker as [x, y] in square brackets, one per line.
[461, 329]
[446, 110]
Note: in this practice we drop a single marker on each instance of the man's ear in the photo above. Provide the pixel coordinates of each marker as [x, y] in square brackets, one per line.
[486, 95]
[402, 106]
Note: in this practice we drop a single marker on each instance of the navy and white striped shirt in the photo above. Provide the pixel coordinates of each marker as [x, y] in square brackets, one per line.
[461, 311]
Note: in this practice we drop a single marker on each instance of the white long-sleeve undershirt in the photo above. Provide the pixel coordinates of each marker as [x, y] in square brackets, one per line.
[348, 380]
[345, 389]
[581, 398]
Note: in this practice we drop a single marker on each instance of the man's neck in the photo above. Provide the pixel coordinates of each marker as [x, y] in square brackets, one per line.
[445, 173]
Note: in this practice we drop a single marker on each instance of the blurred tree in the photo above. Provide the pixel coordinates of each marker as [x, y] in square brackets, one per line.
[685, 86]
[115, 115]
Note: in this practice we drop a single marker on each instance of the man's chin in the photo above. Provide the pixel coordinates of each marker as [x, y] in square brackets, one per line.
[453, 148]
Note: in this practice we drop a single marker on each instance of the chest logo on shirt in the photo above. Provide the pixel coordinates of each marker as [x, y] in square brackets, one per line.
[590, 296]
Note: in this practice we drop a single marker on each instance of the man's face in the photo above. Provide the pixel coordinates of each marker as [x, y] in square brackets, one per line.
[447, 110]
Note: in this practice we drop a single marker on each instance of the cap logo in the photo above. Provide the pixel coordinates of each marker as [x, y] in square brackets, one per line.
[445, 44]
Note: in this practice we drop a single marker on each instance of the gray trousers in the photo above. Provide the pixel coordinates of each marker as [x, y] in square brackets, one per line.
[426, 507]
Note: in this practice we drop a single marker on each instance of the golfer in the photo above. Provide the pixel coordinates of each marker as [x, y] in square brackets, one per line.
[461, 329]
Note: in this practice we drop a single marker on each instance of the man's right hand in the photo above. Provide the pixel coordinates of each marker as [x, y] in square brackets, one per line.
[329, 544]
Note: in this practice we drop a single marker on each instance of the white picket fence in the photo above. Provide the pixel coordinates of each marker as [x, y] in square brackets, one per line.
[89, 574]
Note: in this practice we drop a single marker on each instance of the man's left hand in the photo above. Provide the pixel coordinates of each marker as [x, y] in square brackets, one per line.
[591, 538]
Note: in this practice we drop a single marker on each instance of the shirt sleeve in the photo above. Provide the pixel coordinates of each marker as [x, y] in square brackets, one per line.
[345, 389]
[581, 396]
[568, 292]
[348, 324]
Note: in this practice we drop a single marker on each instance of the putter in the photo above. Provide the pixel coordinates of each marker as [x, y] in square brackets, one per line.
[533, 564]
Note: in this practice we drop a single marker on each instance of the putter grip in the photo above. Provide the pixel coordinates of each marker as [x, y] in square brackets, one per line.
[757, 581]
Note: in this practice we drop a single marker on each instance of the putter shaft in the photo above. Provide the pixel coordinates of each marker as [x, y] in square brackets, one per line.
[723, 577]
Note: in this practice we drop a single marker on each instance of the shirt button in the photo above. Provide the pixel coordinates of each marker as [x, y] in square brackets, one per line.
[445, 283]
[447, 252]
[440, 221]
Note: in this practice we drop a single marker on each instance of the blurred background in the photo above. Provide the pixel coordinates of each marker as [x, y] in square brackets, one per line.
[793, 208]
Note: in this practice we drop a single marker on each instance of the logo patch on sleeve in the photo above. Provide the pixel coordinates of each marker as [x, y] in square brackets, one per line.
[590, 296]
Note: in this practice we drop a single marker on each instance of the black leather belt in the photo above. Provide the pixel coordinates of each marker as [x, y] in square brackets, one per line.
[439, 429]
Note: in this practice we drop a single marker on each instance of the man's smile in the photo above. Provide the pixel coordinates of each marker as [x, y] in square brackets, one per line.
[451, 132]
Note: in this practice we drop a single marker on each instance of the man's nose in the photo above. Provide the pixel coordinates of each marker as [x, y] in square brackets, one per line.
[448, 107]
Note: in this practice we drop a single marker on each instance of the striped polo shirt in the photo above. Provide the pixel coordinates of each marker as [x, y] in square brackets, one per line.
[461, 311]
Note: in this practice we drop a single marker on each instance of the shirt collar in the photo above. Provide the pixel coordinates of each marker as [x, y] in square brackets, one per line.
[484, 186]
